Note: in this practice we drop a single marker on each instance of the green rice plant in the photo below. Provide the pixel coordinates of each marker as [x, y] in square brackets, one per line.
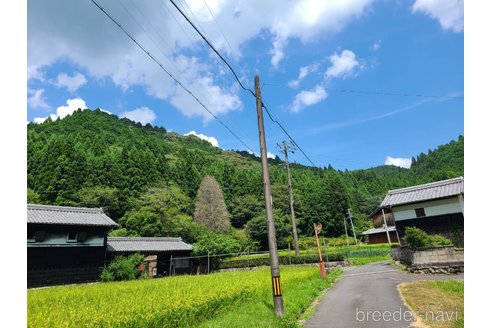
[167, 302]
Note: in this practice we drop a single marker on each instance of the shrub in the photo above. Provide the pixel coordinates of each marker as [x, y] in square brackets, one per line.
[416, 238]
[244, 261]
[438, 240]
[123, 268]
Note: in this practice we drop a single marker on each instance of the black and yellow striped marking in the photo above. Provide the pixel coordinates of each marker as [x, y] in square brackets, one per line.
[277, 288]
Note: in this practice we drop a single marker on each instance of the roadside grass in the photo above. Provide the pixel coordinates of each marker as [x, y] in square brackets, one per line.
[235, 299]
[439, 304]
[297, 297]
[358, 261]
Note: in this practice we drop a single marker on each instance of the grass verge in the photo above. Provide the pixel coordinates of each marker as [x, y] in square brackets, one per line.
[298, 297]
[438, 304]
[357, 261]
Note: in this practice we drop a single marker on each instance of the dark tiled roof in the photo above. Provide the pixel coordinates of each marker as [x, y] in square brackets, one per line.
[48, 214]
[146, 244]
[425, 192]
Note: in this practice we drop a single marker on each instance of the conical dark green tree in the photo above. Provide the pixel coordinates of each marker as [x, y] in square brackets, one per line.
[210, 208]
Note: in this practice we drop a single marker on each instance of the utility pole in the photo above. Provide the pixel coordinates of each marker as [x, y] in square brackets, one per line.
[278, 302]
[352, 224]
[291, 199]
[346, 234]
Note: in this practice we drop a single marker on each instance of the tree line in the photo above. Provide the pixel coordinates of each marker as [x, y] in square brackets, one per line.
[148, 180]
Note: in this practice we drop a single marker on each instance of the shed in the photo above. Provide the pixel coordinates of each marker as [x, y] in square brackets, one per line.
[162, 247]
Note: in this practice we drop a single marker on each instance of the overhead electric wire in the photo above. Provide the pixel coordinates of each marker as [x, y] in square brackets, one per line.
[213, 48]
[217, 23]
[168, 73]
[238, 81]
[366, 92]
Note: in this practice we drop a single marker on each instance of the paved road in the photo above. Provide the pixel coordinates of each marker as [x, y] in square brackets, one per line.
[367, 296]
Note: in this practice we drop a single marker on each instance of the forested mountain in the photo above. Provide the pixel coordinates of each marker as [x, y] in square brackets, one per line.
[147, 179]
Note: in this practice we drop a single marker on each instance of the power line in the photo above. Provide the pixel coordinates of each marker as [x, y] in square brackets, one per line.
[213, 48]
[168, 73]
[220, 29]
[382, 93]
[237, 79]
[287, 133]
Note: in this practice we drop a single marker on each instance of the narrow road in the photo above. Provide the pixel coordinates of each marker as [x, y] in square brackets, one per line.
[367, 296]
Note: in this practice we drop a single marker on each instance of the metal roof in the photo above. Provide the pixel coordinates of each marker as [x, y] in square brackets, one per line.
[425, 192]
[378, 230]
[49, 214]
[146, 244]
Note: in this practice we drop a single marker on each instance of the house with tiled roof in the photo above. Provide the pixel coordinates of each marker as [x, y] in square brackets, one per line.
[436, 208]
[65, 244]
[71, 245]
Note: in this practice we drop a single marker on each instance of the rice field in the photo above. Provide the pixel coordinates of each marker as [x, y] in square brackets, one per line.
[183, 301]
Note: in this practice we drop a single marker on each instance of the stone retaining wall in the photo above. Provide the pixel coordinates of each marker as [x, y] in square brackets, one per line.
[443, 259]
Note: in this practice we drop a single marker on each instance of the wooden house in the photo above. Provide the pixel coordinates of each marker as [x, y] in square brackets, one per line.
[378, 235]
[436, 208]
[65, 244]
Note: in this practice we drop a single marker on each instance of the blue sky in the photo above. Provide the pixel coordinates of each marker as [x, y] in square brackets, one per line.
[357, 83]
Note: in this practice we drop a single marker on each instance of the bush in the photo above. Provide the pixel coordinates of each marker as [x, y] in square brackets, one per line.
[123, 268]
[438, 240]
[244, 261]
[416, 238]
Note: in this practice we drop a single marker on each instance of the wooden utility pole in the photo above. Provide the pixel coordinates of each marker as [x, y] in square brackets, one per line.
[346, 233]
[291, 199]
[278, 302]
[352, 224]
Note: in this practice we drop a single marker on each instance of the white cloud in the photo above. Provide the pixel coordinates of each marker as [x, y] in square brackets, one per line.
[212, 140]
[63, 111]
[343, 65]
[72, 83]
[36, 99]
[398, 161]
[104, 51]
[308, 98]
[376, 45]
[143, 115]
[270, 155]
[303, 72]
[34, 73]
[449, 13]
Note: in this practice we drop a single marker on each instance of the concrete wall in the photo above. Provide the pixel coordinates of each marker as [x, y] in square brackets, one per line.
[431, 208]
[444, 255]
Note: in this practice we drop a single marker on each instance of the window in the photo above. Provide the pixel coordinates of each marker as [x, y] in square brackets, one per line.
[72, 237]
[420, 212]
[31, 237]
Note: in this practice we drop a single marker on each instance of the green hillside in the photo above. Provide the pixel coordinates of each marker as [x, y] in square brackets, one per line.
[147, 179]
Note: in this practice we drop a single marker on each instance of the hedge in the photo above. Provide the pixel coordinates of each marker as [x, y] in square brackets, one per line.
[282, 259]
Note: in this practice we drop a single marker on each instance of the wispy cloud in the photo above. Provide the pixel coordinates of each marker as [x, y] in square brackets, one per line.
[356, 121]
[72, 83]
[35, 99]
